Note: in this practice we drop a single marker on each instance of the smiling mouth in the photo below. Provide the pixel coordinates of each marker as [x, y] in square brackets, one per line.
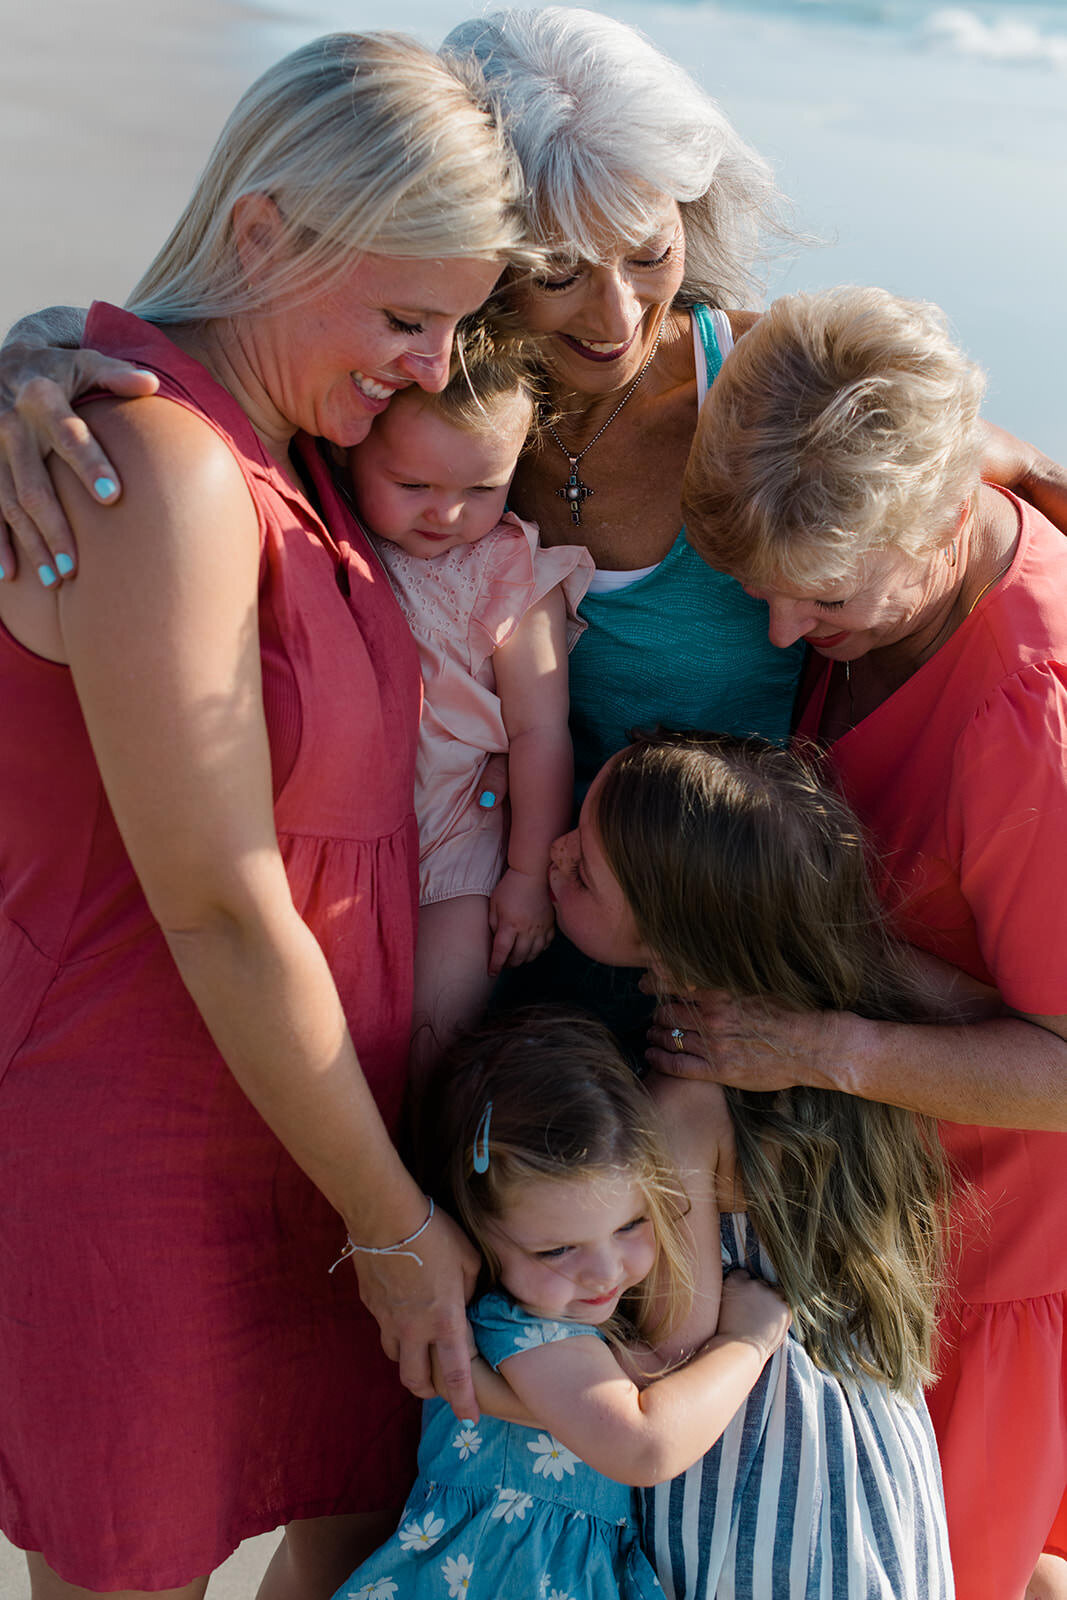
[829, 639]
[597, 350]
[602, 1299]
[372, 389]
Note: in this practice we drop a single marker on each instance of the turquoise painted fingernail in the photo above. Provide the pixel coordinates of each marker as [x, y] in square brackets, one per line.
[3, 574]
[46, 575]
[487, 799]
[65, 564]
[106, 487]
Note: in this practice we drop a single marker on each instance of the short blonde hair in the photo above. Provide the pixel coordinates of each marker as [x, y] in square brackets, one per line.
[843, 423]
[605, 126]
[365, 142]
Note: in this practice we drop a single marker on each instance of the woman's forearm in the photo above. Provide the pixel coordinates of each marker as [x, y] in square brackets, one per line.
[260, 981]
[1005, 1073]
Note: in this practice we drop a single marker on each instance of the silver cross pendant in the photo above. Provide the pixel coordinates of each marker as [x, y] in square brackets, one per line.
[574, 491]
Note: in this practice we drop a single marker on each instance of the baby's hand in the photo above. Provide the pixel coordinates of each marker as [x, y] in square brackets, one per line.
[520, 918]
[753, 1311]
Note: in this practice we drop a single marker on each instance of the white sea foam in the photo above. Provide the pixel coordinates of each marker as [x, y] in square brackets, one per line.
[1006, 38]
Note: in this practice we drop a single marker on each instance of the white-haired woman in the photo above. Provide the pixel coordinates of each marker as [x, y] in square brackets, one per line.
[836, 475]
[207, 861]
[652, 209]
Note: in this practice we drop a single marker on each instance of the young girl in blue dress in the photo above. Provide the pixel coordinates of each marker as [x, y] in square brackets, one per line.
[547, 1148]
[721, 864]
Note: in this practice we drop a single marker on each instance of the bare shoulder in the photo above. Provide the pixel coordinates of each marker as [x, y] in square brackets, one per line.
[741, 321]
[696, 1119]
[163, 450]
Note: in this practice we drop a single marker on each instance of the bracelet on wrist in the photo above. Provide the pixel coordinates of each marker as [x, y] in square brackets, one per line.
[399, 1249]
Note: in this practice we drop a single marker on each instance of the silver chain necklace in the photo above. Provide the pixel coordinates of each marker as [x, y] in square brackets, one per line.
[574, 491]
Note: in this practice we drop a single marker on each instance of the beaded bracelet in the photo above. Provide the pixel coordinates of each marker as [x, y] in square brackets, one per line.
[351, 1248]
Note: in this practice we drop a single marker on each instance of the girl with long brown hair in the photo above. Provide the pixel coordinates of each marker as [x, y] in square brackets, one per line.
[723, 864]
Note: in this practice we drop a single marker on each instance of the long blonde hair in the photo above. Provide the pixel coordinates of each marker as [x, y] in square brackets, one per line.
[745, 874]
[365, 142]
[565, 1105]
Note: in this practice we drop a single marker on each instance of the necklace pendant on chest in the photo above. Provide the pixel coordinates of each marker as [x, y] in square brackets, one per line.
[574, 491]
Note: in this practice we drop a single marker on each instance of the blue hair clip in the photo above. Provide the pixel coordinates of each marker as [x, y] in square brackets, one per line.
[481, 1141]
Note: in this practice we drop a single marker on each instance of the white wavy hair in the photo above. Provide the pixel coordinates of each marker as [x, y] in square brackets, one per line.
[843, 423]
[365, 142]
[605, 125]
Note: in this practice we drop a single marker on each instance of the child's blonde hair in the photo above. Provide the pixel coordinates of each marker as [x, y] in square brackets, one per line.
[494, 364]
[565, 1105]
[745, 874]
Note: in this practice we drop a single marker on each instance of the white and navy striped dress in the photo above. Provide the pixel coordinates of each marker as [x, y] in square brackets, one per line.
[818, 1490]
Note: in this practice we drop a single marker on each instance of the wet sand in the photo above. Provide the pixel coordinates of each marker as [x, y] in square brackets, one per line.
[108, 109]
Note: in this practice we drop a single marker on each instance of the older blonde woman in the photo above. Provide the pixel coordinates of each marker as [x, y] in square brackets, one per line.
[652, 211]
[835, 474]
[207, 872]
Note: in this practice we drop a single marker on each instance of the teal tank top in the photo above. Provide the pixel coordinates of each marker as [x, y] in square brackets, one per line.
[683, 647]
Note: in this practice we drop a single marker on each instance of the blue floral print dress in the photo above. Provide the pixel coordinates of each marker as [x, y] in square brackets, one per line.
[504, 1511]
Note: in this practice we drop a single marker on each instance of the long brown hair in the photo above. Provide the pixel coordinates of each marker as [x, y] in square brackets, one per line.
[565, 1105]
[745, 874]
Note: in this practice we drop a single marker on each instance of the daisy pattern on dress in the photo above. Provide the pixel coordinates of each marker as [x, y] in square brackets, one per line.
[557, 1594]
[553, 1458]
[458, 1572]
[536, 1333]
[512, 1503]
[380, 1589]
[421, 1535]
[467, 1441]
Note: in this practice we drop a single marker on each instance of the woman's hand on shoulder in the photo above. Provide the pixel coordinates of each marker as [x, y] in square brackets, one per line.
[749, 1044]
[37, 385]
[423, 1311]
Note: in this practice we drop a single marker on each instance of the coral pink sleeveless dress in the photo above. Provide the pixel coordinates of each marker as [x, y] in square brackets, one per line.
[961, 778]
[178, 1369]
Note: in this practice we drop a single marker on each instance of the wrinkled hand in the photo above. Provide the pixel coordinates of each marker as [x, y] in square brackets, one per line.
[420, 1309]
[748, 1044]
[521, 920]
[751, 1310]
[37, 385]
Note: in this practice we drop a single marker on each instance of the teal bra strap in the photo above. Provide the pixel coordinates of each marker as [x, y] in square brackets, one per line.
[706, 329]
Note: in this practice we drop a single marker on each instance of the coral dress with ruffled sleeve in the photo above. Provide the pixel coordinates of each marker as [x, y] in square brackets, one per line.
[961, 778]
[178, 1368]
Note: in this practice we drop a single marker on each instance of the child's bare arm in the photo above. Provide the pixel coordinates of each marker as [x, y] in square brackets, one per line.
[699, 1136]
[495, 1396]
[531, 680]
[579, 1392]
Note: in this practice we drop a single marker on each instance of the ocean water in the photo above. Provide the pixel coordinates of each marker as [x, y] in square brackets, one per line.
[924, 145]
